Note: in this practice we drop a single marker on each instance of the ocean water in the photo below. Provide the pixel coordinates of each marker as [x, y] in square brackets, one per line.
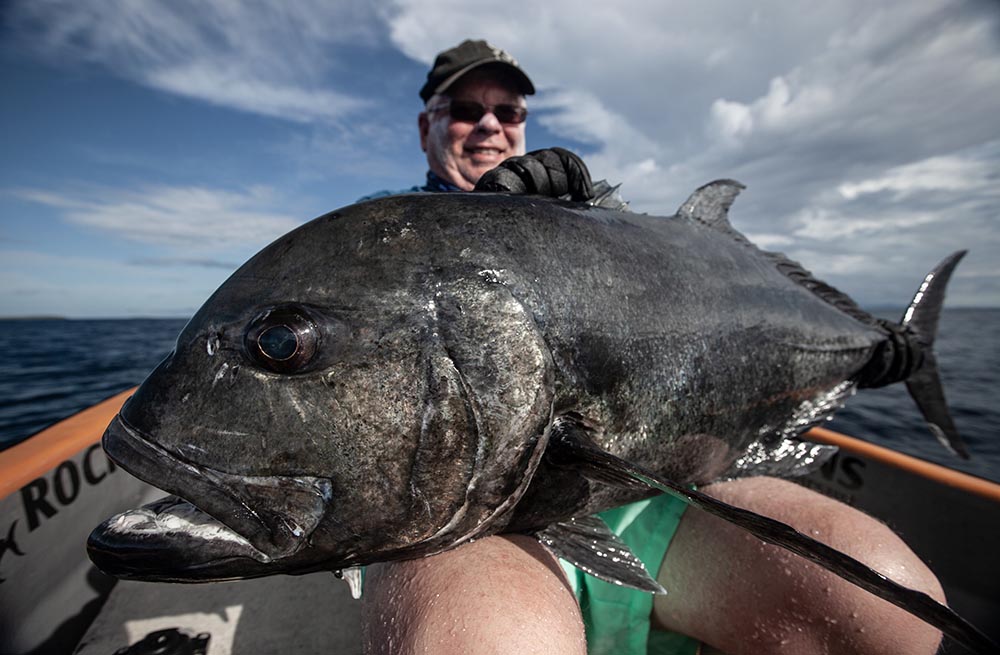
[50, 369]
[968, 352]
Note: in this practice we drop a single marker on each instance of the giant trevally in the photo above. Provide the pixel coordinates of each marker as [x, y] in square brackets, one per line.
[404, 375]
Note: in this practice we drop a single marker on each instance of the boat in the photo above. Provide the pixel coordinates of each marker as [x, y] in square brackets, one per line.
[57, 485]
[54, 488]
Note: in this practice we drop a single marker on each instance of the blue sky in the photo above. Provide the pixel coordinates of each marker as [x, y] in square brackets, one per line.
[152, 147]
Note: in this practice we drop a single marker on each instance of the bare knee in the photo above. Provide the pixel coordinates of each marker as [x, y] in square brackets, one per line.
[496, 595]
[764, 599]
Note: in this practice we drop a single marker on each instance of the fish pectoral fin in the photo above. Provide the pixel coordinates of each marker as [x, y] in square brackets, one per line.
[570, 444]
[590, 545]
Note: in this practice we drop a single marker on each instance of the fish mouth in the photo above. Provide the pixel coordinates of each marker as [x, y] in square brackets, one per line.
[171, 540]
[215, 519]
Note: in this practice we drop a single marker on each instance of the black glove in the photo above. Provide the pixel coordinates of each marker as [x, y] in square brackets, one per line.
[553, 172]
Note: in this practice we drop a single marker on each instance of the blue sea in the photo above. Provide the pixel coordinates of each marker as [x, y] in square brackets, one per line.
[51, 369]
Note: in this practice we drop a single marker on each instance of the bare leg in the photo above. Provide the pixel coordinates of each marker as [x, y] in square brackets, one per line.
[496, 595]
[731, 590]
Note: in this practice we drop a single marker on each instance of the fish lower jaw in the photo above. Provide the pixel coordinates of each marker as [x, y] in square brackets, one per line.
[273, 514]
[173, 521]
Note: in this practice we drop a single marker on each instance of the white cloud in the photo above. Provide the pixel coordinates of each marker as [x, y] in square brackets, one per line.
[824, 264]
[178, 217]
[824, 223]
[945, 173]
[770, 241]
[255, 56]
[712, 88]
[782, 108]
[911, 77]
[730, 120]
[229, 88]
[579, 115]
[858, 126]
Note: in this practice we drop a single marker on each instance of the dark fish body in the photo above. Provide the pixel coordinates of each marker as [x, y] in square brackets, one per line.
[404, 375]
[448, 333]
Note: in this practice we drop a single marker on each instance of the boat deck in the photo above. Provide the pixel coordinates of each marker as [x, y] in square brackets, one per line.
[268, 616]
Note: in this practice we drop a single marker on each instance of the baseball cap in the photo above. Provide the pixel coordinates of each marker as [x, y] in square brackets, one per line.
[456, 62]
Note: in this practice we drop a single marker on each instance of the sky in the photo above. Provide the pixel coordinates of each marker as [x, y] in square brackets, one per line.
[149, 148]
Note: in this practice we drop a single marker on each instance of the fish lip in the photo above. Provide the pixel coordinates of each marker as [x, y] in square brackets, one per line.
[152, 543]
[218, 492]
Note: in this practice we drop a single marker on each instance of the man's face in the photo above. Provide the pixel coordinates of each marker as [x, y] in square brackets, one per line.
[460, 152]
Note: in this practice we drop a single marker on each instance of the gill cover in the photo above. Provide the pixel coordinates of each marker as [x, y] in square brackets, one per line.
[489, 399]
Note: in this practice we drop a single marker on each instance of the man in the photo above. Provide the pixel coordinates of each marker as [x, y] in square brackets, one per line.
[474, 116]
[509, 594]
[474, 119]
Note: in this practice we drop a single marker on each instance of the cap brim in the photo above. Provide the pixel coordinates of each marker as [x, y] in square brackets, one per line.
[524, 84]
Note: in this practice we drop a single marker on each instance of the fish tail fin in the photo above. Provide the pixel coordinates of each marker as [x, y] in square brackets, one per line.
[924, 385]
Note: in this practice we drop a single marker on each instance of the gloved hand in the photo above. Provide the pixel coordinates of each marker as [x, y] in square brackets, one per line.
[552, 172]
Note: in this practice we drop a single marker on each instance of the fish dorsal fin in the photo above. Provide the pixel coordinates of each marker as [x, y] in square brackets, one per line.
[590, 545]
[710, 204]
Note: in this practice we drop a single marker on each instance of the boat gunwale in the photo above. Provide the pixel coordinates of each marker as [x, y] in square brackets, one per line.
[43, 451]
[938, 473]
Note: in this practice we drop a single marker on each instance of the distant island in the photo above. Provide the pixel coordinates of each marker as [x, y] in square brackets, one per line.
[40, 317]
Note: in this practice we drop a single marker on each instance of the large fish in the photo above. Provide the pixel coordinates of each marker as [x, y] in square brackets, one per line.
[403, 375]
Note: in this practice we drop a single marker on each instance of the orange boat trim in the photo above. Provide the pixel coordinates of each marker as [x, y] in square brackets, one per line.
[36, 456]
[940, 474]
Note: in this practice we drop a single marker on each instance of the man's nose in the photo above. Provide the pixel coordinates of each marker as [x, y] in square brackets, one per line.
[489, 122]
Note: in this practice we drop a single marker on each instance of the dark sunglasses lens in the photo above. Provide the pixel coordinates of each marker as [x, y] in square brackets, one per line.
[471, 112]
[463, 110]
[510, 113]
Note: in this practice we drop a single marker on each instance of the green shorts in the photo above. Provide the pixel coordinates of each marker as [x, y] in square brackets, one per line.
[617, 619]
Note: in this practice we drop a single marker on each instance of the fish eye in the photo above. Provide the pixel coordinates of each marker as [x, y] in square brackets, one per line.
[278, 343]
[282, 339]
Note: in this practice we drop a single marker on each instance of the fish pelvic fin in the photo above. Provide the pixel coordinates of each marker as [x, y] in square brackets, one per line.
[590, 545]
[781, 534]
[925, 387]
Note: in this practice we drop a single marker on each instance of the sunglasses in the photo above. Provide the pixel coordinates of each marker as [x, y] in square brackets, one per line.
[470, 111]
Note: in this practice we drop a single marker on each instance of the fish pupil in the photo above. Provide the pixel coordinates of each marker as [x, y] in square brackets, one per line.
[283, 339]
[279, 342]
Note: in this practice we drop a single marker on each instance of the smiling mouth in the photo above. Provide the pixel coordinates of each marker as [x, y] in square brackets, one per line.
[484, 152]
[261, 517]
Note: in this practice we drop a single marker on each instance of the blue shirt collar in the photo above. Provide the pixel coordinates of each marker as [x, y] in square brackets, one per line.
[437, 184]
